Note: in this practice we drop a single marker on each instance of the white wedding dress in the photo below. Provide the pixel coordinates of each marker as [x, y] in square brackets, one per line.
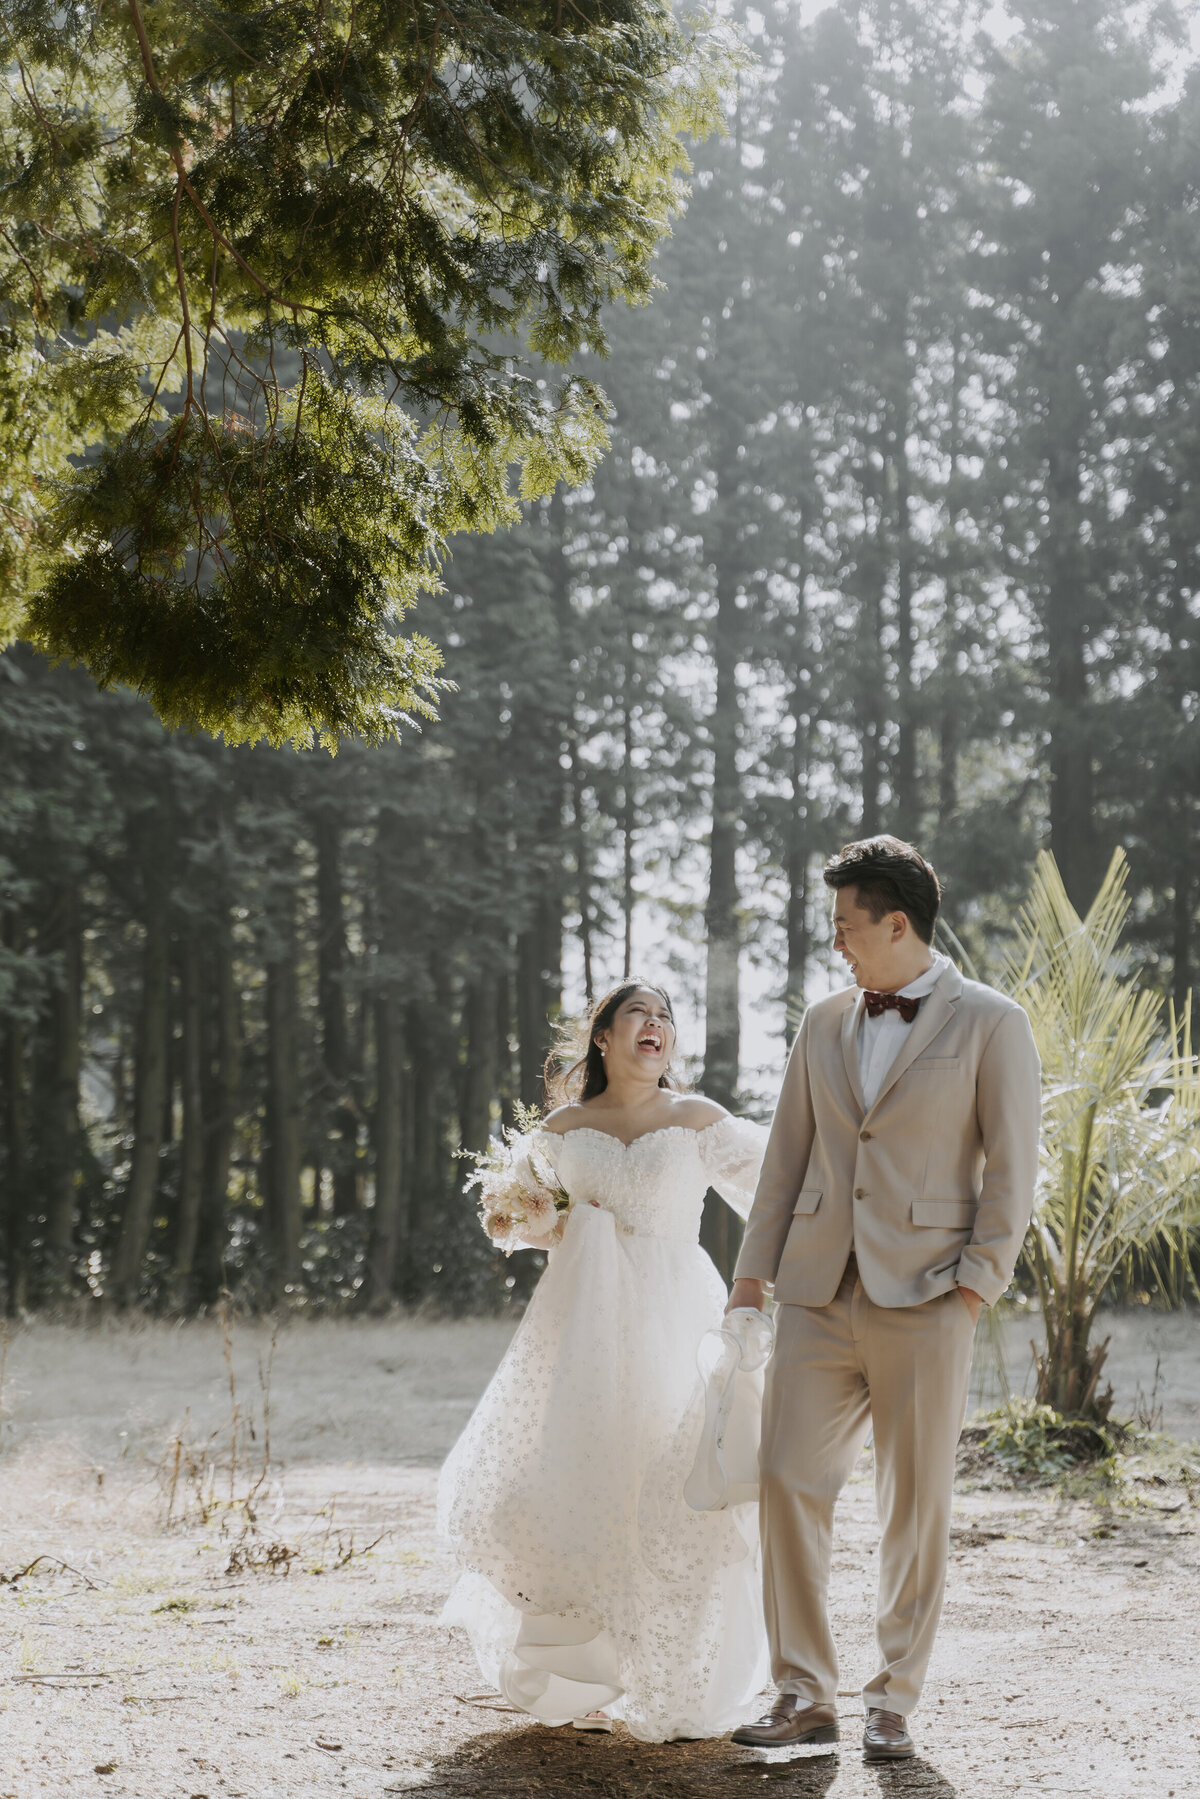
[586, 1581]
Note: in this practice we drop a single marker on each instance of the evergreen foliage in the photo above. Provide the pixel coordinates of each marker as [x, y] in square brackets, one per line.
[271, 280]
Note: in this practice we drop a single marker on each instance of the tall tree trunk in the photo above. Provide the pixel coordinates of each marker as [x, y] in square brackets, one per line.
[870, 655]
[222, 1090]
[506, 1080]
[191, 1093]
[14, 1188]
[332, 959]
[390, 1214]
[426, 1078]
[583, 875]
[1183, 911]
[60, 1112]
[559, 571]
[904, 782]
[284, 1119]
[949, 730]
[387, 1247]
[552, 941]
[628, 790]
[722, 1043]
[539, 955]
[1072, 797]
[539, 952]
[150, 1084]
[479, 1070]
[1175, 673]
[799, 841]
[533, 1042]
[949, 752]
[539, 990]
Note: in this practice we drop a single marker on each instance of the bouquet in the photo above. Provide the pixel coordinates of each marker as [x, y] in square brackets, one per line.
[520, 1196]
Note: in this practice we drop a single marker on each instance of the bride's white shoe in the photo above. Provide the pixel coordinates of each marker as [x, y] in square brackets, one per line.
[593, 1721]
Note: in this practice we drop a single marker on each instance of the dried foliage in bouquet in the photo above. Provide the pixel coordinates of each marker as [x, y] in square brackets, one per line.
[522, 1202]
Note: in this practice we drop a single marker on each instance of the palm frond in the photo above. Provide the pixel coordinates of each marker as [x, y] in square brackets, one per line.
[1120, 1170]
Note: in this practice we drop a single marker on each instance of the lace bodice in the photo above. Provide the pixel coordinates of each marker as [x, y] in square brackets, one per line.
[655, 1186]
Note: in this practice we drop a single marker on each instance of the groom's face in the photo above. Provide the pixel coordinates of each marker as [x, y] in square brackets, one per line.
[867, 946]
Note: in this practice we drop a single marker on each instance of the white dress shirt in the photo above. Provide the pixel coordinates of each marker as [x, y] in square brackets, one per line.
[879, 1039]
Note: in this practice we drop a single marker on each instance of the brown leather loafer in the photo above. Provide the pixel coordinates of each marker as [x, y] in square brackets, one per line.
[790, 1720]
[886, 1738]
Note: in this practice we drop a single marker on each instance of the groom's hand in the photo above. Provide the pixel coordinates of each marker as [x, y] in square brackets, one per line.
[974, 1302]
[746, 1293]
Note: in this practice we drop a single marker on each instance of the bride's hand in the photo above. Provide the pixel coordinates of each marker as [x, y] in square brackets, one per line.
[551, 1239]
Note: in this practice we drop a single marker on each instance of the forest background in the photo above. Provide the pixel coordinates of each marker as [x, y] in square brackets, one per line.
[898, 531]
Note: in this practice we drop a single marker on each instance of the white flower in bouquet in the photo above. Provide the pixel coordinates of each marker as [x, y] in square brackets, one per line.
[527, 1166]
[521, 1199]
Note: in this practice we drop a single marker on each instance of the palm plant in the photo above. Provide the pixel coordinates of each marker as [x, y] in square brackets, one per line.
[1120, 1174]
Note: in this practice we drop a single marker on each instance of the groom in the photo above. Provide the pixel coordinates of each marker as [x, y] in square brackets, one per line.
[896, 1189]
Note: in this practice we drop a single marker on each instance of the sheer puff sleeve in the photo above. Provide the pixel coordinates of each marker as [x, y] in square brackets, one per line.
[731, 1151]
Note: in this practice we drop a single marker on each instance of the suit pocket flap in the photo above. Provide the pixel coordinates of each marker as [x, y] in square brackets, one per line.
[808, 1201]
[950, 1214]
[933, 1062]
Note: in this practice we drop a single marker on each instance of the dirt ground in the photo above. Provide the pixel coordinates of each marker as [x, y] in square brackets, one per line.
[158, 1661]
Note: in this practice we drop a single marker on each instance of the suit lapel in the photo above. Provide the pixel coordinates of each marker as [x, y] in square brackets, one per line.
[850, 1049]
[937, 1009]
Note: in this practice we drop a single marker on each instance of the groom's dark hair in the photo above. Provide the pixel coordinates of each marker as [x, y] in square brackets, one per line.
[890, 876]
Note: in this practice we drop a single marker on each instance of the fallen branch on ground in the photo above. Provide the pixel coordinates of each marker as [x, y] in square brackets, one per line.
[10, 1580]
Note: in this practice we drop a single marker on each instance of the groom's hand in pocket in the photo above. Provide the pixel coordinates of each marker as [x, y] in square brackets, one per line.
[746, 1293]
[974, 1302]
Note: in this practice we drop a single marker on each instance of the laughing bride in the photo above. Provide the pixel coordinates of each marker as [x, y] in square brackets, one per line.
[588, 1588]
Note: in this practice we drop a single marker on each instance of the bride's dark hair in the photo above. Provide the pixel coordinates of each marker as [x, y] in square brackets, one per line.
[575, 1067]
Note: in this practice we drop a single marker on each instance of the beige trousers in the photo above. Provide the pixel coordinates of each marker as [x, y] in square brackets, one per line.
[837, 1371]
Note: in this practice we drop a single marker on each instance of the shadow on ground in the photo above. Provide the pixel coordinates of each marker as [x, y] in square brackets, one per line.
[554, 1764]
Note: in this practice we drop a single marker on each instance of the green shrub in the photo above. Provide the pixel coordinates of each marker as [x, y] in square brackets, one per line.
[1029, 1441]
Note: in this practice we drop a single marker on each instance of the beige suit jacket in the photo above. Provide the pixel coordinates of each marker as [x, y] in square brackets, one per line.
[932, 1186]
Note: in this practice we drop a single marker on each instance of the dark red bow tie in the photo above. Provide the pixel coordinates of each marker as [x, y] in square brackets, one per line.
[891, 1002]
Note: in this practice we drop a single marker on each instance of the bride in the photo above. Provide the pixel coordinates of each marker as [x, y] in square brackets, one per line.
[589, 1589]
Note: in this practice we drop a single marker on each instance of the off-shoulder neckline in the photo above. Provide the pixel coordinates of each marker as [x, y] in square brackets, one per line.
[662, 1130]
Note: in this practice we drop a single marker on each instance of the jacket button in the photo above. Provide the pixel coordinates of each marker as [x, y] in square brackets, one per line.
[860, 1193]
[864, 1136]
